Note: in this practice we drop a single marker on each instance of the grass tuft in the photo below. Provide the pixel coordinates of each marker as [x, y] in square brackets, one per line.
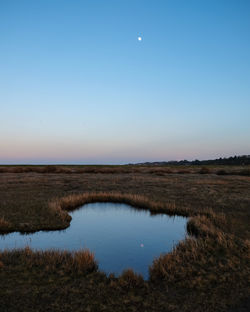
[130, 279]
[84, 261]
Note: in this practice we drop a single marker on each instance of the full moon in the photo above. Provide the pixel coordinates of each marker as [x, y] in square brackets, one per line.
[139, 38]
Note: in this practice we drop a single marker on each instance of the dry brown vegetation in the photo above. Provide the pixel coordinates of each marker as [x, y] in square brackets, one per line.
[5, 226]
[203, 222]
[204, 170]
[130, 279]
[140, 201]
[170, 266]
[79, 262]
[157, 170]
[208, 273]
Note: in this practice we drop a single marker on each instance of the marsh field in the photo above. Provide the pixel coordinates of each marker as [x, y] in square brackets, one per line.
[208, 271]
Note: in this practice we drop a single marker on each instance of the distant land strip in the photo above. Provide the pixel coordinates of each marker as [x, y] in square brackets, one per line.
[233, 160]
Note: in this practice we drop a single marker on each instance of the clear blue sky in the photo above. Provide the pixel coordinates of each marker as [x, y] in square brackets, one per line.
[76, 85]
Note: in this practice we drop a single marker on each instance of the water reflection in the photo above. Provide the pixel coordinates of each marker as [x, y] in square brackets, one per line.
[120, 236]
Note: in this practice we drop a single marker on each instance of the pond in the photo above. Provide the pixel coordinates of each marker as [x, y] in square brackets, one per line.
[120, 236]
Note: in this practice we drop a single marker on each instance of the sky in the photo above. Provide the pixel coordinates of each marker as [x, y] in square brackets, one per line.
[77, 86]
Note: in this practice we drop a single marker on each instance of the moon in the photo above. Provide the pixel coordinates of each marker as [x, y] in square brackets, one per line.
[139, 38]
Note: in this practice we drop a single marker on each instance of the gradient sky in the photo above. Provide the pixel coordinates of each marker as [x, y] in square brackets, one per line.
[76, 85]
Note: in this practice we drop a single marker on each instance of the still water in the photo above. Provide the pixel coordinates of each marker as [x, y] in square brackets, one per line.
[120, 236]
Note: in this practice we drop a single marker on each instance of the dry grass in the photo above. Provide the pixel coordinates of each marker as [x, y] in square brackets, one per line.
[203, 223]
[159, 171]
[67, 169]
[5, 226]
[130, 279]
[194, 258]
[74, 201]
[245, 172]
[221, 172]
[209, 273]
[58, 212]
[206, 225]
[1, 263]
[128, 169]
[79, 262]
[204, 170]
[183, 171]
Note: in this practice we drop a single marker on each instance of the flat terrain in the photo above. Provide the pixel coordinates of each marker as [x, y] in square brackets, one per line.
[215, 279]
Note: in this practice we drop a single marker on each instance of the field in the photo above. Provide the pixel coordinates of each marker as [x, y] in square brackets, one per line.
[209, 272]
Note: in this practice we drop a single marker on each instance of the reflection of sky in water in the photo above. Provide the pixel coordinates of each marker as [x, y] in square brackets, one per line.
[120, 236]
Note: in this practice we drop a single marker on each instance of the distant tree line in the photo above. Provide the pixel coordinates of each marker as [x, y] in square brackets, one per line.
[234, 160]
